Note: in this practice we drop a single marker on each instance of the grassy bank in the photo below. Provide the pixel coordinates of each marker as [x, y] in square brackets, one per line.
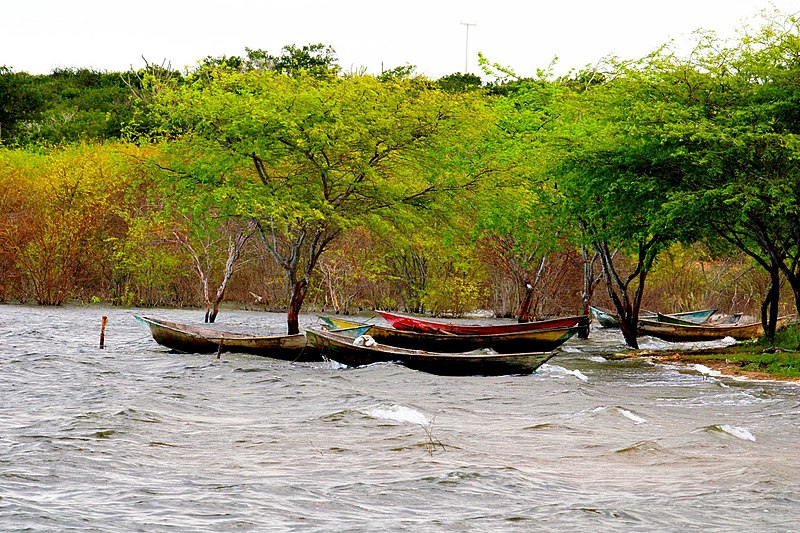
[779, 359]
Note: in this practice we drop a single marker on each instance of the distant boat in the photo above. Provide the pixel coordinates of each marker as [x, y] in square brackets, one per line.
[423, 325]
[338, 323]
[705, 332]
[609, 319]
[341, 349]
[189, 338]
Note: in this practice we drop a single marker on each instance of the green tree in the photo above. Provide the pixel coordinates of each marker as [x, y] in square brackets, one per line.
[21, 101]
[307, 157]
[733, 147]
[614, 181]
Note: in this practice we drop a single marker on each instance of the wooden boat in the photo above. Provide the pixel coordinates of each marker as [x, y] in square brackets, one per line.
[341, 349]
[704, 332]
[609, 319]
[339, 323]
[409, 323]
[189, 338]
[687, 317]
[538, 340]
[719, 319]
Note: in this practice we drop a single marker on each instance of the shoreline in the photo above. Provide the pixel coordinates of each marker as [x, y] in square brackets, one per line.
[726, 367]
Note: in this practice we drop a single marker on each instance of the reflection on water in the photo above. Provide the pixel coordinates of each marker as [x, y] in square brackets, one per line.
[133, 437]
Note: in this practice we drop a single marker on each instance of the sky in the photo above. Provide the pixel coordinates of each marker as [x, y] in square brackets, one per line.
[438, 37]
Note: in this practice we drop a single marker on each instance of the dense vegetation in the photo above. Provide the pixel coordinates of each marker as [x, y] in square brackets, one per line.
[279, 181]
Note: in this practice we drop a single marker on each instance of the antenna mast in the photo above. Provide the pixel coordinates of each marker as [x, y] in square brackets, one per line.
[466, 46]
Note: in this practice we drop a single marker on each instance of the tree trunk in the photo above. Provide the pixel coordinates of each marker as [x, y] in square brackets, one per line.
[525, 306]
[629, 325]
[589, 283]
[618, 291]
[299, 290]
[769, 308]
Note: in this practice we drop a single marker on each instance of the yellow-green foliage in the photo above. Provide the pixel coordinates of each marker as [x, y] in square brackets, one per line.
[57, 232]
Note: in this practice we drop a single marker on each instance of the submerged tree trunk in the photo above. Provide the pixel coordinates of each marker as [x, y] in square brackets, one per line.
[618, 289]
[526, 307]
[525, 314]
[769, 308]
[236, 246]
[299, 291]
[589, 283]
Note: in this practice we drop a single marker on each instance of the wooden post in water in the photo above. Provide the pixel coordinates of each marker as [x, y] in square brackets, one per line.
[103, 332]
[221, 341]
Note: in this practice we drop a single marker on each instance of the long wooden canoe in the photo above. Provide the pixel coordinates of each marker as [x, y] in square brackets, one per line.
[704, 332]
[341, 349]
[538, 340]
[190, 338]
[423, 325]
[689, 317]
[609, 319]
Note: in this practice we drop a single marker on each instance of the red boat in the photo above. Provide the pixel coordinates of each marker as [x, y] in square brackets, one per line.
[409, 323]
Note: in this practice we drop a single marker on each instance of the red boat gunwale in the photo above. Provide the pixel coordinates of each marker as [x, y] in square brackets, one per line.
[409, 323]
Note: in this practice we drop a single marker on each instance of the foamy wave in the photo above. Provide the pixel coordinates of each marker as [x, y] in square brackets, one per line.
[560, 371]
[398, 413]
[613, 410]
[739, 433]
[632, 416]
[570, 349]
[703, 369]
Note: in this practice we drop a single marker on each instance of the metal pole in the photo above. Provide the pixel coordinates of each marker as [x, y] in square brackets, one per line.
[466, 46]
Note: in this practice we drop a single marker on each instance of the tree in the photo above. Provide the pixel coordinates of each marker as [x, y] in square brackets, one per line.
[20, 101]
[58, 233]
[202, 237]
[614, 181]
[739, 156]
[307, 157]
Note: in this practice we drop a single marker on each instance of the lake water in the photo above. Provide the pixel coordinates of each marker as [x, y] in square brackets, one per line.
[134, 438]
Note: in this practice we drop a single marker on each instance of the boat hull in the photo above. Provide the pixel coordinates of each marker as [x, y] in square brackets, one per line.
[542, 340]
[189, 338]
[341, 349]
[409, 323]
[699, 332]
[608, 319]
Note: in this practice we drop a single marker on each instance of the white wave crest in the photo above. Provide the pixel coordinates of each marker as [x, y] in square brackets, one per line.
[739, 433]
[632, 416]
[703, 369]
[580, 375]
[398, 413]
[559, 371]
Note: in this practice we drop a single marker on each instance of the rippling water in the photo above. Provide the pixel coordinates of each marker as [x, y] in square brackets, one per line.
[134, 438]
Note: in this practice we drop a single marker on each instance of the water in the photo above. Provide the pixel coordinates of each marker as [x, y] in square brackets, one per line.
[134, 438]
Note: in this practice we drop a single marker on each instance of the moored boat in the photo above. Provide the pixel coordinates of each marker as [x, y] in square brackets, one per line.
[688, 317]
[609, 319]
[339, 323]
[704, 332]
[342, 349]
[190, 338]
[424, 325]
[537, 340]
